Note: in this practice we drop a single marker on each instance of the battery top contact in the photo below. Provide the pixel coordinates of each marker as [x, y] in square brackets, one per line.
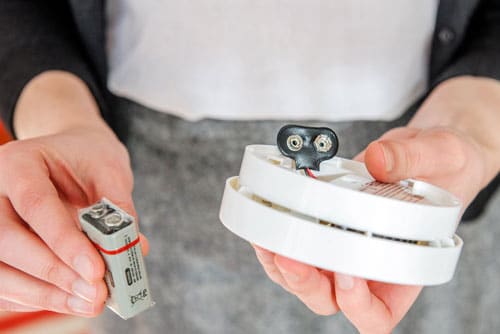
[106, 218]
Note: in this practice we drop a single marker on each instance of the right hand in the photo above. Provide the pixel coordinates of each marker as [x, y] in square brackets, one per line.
[46, 262]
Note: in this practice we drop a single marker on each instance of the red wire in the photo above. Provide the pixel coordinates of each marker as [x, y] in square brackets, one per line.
[310, 174]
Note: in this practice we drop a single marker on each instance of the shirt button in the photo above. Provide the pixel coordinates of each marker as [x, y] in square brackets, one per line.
[446, 35]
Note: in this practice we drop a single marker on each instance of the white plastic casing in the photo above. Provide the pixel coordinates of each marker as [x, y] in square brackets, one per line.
[344, 221]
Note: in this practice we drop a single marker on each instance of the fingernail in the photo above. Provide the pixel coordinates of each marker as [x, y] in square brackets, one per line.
[290, 277]
[79, 305]
[84, 267]
[388, 158]
[262, 254]
[84, 290]
[344, 282]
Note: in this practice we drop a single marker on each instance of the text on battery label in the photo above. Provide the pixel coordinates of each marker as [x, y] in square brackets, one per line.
[142, 295]
[133, 272]
[391, 190]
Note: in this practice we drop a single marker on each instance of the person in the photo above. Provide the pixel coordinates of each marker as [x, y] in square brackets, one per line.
[223, 75]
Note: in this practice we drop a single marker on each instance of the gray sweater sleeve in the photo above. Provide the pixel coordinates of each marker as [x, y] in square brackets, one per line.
[477, 55]
[479, 51]
[36, 36]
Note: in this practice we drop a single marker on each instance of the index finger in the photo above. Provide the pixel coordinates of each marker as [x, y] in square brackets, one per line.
[37, 202]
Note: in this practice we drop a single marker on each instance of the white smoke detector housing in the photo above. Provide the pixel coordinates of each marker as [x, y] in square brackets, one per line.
[343, 220]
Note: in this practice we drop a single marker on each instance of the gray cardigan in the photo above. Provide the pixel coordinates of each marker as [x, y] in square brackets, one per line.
[37, 36]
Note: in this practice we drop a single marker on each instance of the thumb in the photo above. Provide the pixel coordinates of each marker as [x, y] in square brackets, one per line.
[429, 154]
[118, 187]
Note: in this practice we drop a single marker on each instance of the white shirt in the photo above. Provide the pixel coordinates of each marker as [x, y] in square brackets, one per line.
[271, 59]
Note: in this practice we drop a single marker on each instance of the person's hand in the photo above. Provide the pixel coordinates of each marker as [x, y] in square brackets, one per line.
[46, 261]
[438, 156]
[452, 157]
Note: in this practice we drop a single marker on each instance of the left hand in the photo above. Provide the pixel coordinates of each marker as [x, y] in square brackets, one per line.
[451, 157]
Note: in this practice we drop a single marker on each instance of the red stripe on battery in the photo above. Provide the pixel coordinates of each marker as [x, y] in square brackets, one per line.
[119, 250]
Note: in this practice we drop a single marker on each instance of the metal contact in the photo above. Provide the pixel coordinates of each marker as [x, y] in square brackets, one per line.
[323, 143]
[114, 219]
[98, 210]
[294, 142]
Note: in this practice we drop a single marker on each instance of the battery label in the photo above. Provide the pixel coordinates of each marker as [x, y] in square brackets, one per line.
[133, 272]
